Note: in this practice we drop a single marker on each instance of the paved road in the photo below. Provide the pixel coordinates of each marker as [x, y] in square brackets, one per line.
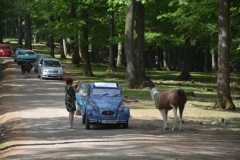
[36, 128]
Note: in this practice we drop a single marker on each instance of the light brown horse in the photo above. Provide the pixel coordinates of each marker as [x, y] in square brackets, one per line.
[167, 100]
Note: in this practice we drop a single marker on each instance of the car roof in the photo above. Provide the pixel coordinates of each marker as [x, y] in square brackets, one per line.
[26, 50]
[4, 44]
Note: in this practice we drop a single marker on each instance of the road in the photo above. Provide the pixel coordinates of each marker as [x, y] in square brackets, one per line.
[36, 127]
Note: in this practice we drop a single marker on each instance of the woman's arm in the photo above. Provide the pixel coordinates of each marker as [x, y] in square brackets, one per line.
[129, 100]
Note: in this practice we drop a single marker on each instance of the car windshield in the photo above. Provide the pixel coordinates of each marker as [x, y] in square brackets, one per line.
[52, 63]
[106, 92]
[26, 53]
[5, 47]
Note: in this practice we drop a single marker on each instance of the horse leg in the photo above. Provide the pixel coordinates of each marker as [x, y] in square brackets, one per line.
[175, 116]
[164, 118]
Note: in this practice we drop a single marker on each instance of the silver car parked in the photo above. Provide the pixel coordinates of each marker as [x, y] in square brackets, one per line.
[37, 62]
[50, 68]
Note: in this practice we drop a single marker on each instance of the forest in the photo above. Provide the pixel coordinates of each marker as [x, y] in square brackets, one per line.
[184, 35]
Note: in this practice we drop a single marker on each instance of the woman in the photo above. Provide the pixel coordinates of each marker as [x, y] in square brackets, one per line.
[70, 99]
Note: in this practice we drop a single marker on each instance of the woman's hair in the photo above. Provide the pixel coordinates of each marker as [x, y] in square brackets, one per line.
[69, 81]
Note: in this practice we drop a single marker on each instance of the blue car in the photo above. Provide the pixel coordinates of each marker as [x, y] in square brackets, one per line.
[104, 105]
[81, 96]
[26, 56]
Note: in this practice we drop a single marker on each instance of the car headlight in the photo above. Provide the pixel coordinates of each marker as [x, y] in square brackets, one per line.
[94, 106]
[122, 107]
[45, 71]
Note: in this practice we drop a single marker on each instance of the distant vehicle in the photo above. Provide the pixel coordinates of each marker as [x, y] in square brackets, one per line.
[37, 62]
[104, 105]
[26, 56]
[15, 52]
[5, 50]
[50, 68]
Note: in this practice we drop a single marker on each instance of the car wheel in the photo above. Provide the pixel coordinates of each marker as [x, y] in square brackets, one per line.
[125, 125]
[87, 123]
[83, 119]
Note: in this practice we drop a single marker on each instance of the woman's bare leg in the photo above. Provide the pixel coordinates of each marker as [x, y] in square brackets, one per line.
[71, 116]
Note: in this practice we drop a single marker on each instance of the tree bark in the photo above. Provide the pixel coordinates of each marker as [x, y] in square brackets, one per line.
[131, 73]
[205, 64]
[86, 59]
[224, 99]
[140, 42]
[111, 61]
[28, 37]
[62, 55]
[185, 74]
[119, 55]
[7, 30]
[74, 39]
[51, 40]
[214, 62]
[20, 32]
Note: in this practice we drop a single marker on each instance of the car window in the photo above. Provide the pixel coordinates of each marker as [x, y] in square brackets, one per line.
[41, 62]
[30, 53]
[49, 63]
[21, 53]
[5, 47]
[106, 91]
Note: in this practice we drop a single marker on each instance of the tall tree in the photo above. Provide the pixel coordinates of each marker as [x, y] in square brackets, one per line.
[28, 36]
[20, 32]
[224, 99]
[86, 59]
[111, 61]
[131, 72]
[140, 41]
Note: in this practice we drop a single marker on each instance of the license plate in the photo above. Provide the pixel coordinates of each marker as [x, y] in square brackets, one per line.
[109, 121]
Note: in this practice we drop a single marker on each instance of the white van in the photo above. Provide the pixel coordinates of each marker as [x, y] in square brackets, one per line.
[50, 68]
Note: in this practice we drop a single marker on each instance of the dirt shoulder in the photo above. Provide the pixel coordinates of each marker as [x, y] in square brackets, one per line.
[36, 127]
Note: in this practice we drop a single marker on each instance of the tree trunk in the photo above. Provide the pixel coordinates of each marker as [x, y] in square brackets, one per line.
[185, 75]
[111, 63]
[205, 63]
[20, 31]
[16, 28]
[28, 37]
[51, 40]
[74, 39]
[140, 42]
[131, 73]
[86, 59]
[214, 62]
[224, 99]
[119, 55]
[64, 47]
[165, 61]
[7, 30]
[62, 55]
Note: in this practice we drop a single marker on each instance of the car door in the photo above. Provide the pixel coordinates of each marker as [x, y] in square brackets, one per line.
[40, 67]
